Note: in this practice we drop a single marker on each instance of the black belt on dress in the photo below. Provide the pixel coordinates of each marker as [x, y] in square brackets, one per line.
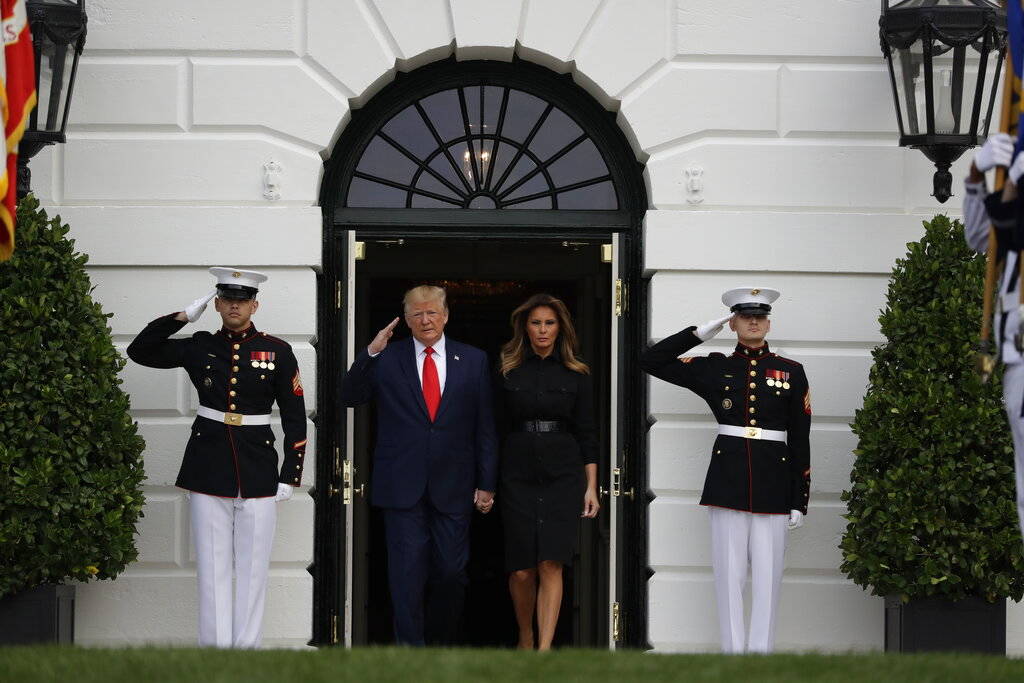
[543, 426]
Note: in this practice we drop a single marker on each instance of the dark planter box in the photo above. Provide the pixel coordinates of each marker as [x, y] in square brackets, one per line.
[937, 624]
[44, 614]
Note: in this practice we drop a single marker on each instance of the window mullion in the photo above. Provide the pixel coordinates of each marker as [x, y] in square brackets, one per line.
[497, 138]
[526, 144]
[443, 147]
[544, 166]
[555, 191]
[469, 139]
[406, 188]
[423, 166]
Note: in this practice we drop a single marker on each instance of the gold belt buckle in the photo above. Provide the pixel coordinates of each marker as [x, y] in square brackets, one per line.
[753, 432]
[233, 419]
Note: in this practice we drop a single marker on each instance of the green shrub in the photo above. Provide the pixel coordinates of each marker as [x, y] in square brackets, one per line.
[70, 455]
[931, 505]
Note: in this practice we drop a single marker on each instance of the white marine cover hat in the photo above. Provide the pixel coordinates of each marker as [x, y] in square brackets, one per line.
[750, 300]
[235, 283]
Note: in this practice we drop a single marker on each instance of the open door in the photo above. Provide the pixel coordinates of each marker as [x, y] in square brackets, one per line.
[349, 489]
[612, 485]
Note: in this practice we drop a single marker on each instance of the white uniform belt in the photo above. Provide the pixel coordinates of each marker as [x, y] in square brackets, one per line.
[234, 419]
[752, 433]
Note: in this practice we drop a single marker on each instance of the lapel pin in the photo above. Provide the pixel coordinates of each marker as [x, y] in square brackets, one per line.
[455, 357]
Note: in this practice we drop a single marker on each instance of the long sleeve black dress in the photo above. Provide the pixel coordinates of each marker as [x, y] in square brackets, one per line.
[542, 475]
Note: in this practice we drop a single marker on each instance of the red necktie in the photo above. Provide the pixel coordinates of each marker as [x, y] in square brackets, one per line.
[431, 385]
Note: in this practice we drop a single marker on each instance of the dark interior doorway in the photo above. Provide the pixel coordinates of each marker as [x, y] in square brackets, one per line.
[486, 278]
[521, 160]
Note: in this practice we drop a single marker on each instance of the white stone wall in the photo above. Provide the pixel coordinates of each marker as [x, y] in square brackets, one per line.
[785, 106]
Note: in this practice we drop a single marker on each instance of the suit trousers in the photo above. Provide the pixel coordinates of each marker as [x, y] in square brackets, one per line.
[739, 539]
[427, 555]
[232, 534]
[1013, 402]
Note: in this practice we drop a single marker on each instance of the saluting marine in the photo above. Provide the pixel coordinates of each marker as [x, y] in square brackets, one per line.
[758, 482]
[230, 464]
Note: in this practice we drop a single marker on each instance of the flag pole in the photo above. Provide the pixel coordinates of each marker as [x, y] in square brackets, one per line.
[985, 358]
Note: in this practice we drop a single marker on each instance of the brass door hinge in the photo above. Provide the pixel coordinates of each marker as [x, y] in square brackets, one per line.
[615, 621]
[334, 629]
[337, 294]
[360, 251]
[606, 253]
[620, 297]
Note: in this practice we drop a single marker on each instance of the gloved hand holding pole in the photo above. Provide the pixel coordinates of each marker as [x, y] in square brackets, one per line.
[997, 151]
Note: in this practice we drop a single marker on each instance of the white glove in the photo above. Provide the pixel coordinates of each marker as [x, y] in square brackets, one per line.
[997, 151]
[712, 327]
[284, 492]
[196, 308]
[1016, 169]
[796, 519]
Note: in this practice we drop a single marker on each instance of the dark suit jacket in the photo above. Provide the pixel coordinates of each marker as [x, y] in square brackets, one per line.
[446, 459]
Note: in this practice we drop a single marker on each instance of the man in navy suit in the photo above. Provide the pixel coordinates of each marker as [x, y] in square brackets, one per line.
[436, 458]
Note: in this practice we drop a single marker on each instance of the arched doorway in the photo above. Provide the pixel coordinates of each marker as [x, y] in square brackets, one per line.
[497, 180]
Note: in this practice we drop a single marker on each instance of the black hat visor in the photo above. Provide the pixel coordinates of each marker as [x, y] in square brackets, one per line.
[237, 292]
[751, 309]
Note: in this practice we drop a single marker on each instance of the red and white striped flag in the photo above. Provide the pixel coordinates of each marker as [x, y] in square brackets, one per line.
[18, 93]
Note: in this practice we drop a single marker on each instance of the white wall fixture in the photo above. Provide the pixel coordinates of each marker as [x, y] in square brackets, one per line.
[272, 180]
[694, 184]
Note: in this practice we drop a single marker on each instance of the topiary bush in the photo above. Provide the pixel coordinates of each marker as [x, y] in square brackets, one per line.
[931, 504]
[70, 455]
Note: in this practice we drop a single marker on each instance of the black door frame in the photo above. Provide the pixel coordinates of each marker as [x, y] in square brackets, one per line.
[583, 621]
[328, 568]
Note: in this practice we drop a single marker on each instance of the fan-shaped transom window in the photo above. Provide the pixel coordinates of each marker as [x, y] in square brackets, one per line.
[482, 147]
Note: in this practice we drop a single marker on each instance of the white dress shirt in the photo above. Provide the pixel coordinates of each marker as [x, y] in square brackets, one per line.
[440, 361]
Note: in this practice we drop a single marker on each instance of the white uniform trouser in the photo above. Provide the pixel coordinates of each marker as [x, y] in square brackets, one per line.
[1013, 400]
[738, 539]
[232, 533]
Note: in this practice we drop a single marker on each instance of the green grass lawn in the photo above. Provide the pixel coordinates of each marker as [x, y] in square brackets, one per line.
[81, 665]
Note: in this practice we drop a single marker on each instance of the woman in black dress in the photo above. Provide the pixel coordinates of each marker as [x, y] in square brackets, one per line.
[549, 460]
